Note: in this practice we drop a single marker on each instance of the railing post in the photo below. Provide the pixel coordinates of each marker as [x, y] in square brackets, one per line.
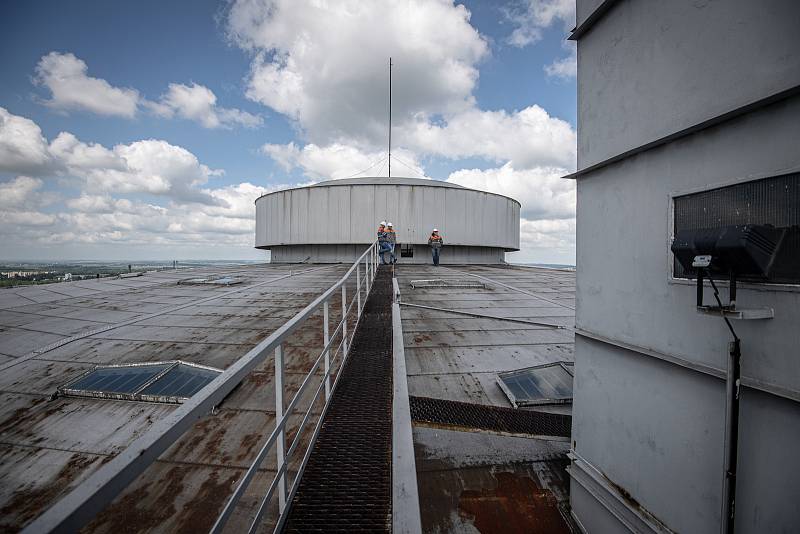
[326, 337]
[366, 275]
[344, 321]
[279, 415]
[358, 289]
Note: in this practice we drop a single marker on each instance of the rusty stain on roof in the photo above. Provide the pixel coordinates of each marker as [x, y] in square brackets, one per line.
[516, 505]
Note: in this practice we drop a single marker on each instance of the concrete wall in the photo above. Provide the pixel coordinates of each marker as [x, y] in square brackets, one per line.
[348, 214]
[450, 254]
[649, 68]
[649, 387]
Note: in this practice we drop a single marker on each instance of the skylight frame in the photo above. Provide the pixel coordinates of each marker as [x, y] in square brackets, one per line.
[567, 366]
[136, 395]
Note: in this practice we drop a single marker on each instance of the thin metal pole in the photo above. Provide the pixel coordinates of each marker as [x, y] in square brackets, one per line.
[281, 445]
[344, 321]
[390, 117]
[326, 337]
[358, 289]
[732, 384]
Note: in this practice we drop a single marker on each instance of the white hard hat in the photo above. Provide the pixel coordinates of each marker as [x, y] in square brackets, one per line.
[389, 224]
[383, 223]
[435, 229]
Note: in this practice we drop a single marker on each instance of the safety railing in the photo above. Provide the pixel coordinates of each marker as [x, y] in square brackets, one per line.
[333, 356]
[78, 507]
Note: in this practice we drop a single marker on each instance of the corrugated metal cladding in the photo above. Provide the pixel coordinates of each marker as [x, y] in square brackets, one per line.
[347, 213]
[774, 200]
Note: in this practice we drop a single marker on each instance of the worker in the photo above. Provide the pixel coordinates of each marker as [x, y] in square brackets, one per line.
[435, 241]
[392, 242]
[383, 242]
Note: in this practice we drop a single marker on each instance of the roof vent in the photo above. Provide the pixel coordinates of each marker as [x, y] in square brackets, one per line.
[171, 382]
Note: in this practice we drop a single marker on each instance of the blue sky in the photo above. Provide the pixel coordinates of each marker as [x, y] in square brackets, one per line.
[69, 67]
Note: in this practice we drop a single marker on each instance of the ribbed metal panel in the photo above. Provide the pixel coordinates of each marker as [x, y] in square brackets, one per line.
[774, 200]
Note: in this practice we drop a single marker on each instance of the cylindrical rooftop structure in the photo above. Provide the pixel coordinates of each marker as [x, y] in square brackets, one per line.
[334, 221]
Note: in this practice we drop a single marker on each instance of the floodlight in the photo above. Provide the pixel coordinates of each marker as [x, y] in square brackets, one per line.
[728, 251]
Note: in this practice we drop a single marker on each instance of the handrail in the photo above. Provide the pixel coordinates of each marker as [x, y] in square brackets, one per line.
[80, 505]
[279, 433]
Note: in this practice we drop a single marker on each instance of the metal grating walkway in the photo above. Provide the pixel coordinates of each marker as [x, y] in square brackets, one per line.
[346, 486]
[478, 416]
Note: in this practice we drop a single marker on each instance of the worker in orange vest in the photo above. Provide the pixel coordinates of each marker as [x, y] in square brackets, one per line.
[383, 242]
[392, 241]
[436, 242]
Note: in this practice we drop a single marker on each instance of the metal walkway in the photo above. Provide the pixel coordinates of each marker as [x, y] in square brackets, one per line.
[346, 486]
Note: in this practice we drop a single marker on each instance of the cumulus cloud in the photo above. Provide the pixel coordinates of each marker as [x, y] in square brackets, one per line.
[21, 200]
[325, 65]
[311, 64]
[181, 208]
[528, 138]
[66, 77]
[72, 88]
[533, 16]
[565, 68]
[553, 238]
[199, 103]
[23, 148]
[337, 160]
[541, 191]
[150, 166]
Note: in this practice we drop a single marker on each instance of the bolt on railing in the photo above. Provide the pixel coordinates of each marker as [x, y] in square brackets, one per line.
[327, 358]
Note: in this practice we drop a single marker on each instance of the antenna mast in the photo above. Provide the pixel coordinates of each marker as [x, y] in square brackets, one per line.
[390, 116]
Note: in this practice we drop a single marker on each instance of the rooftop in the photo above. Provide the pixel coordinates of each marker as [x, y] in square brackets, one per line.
[52, 334]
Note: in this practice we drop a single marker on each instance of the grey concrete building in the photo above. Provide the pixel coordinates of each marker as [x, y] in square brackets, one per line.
[688, 116]
[333, 221]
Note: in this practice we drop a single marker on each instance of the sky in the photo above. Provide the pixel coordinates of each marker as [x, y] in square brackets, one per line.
[146, 130]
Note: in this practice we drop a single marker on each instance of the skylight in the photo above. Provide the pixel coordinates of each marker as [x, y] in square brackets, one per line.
[544, 384]
[173, 381]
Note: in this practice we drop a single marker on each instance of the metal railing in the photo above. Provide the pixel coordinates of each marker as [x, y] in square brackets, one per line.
[80, 506]
[326, 358]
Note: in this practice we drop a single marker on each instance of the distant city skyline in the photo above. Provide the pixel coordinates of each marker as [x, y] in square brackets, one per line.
[146, 130]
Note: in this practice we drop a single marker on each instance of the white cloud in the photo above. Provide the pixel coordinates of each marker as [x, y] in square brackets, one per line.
[18, 192]
[184, 211]
[536, 15]
[23, 148]
[541, 191]
[335, 161]
[528, 138]
[72, 88]
[548, 240]
[21, 200]
[148, 166]
[325, 65]
[565, 68]
[198, 103]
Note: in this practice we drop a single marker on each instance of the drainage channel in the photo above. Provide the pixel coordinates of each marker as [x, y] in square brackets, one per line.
[495, 418]
[346, 485]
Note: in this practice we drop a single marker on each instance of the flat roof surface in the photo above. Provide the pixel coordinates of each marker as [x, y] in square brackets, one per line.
[50, 334]
[470, 479]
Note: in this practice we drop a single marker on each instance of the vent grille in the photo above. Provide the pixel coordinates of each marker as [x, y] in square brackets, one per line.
[774, 200]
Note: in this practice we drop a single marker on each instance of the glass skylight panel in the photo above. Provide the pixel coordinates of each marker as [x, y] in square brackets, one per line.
[181, 381]
[127, 379]
[172, 381]
[543, 384]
